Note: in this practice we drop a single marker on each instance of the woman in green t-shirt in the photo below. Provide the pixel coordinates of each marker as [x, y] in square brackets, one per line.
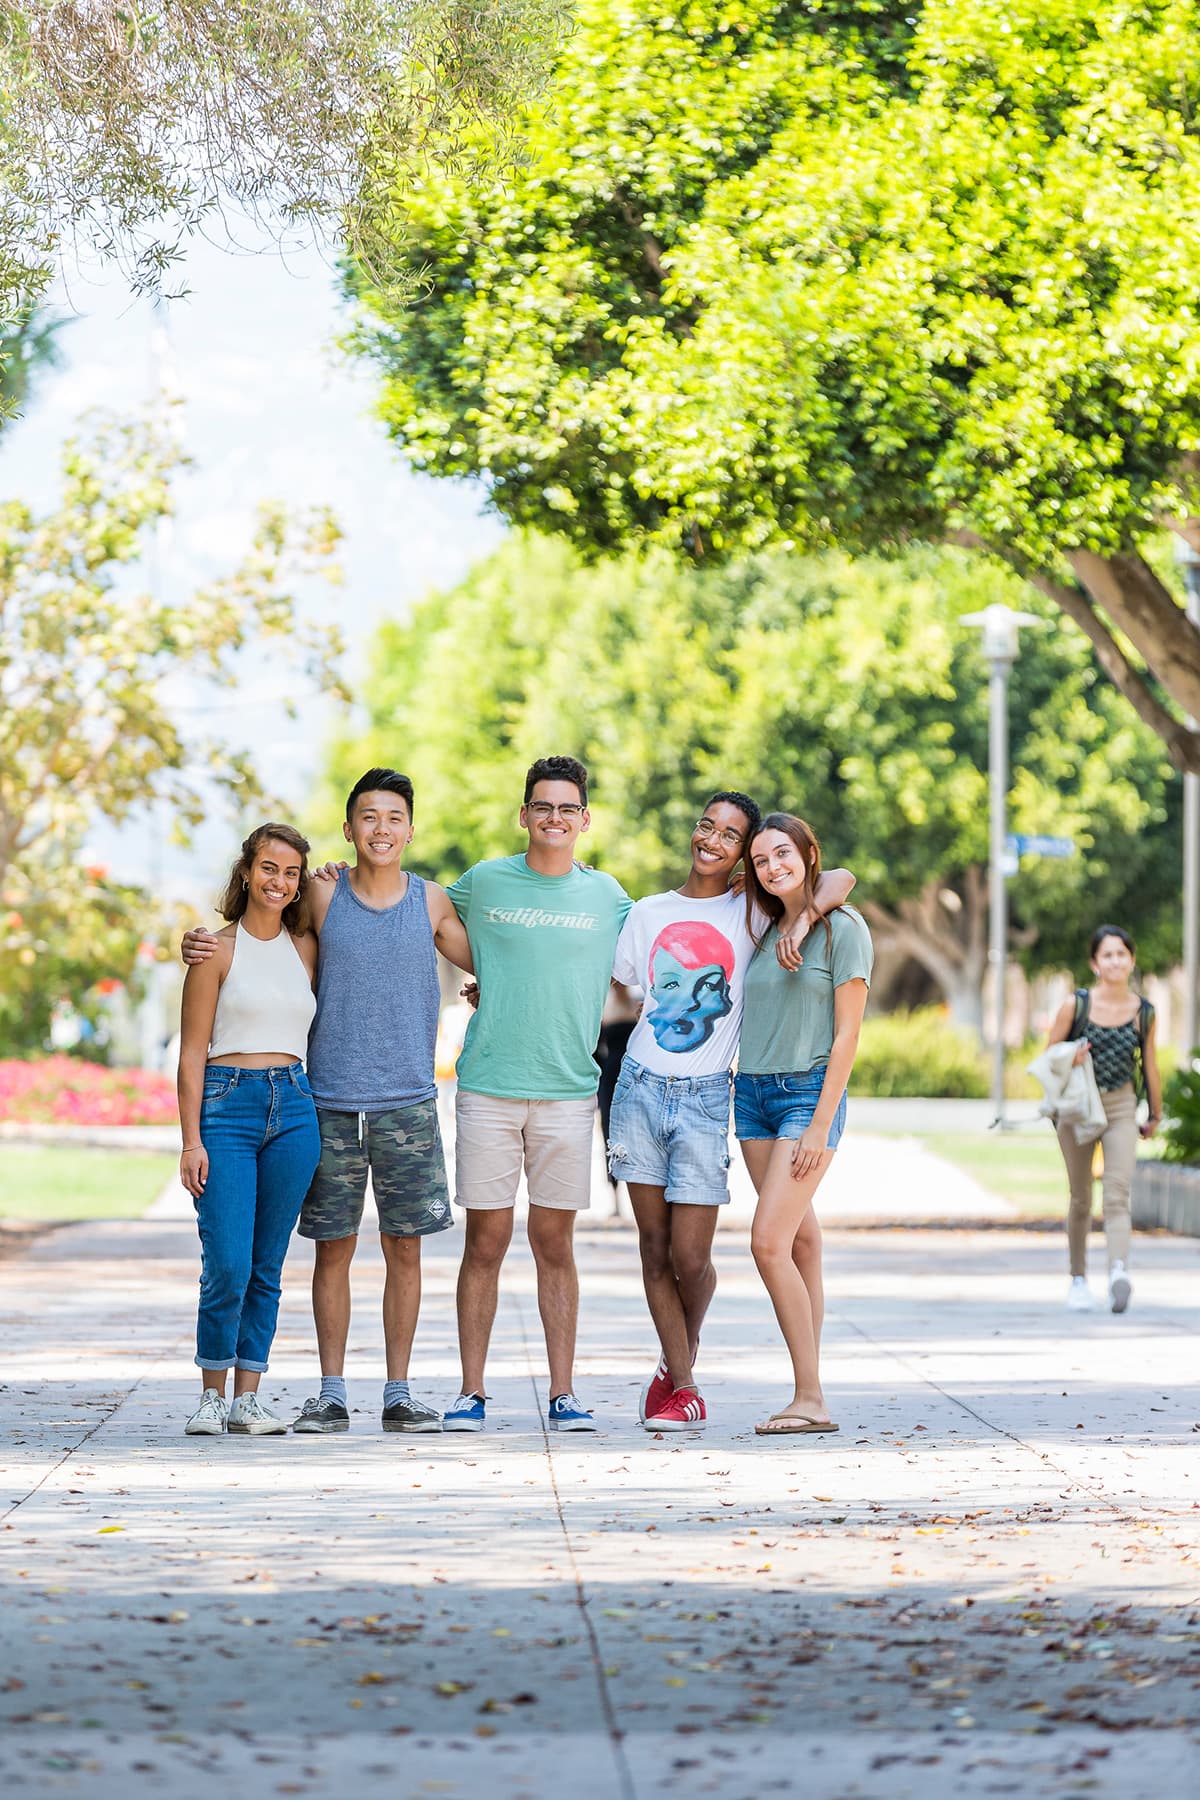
[799, 1037]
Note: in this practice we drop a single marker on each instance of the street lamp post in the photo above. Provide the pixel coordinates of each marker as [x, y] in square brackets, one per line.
[1001, 643]
[1189, 564]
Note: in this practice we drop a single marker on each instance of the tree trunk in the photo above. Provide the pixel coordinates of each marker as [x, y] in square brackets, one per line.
[965, 1000]
[944, 929]
[1121, 594]
[1129, 591]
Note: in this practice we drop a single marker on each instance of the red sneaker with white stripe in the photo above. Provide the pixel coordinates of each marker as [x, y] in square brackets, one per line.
[684, 1411]
[657, 1392]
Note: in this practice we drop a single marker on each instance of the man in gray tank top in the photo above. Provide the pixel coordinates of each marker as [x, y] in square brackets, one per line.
[371, 1068]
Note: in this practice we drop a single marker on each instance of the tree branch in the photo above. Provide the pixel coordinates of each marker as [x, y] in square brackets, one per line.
[902, 935]
[1182, 742]
[651, 248]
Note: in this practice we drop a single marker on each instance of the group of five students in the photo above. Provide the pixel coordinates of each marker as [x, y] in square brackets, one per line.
[289, 1098]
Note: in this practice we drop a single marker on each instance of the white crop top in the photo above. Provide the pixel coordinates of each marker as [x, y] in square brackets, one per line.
[266, 1001]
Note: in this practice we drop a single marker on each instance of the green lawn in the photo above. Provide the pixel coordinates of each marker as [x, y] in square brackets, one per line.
[52, 1183]
[1024, 1167]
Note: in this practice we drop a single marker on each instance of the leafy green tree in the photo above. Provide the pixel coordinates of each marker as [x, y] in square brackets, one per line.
[76, 944]
[847, 690]
[86, 731]
[853, 274]
[28, 346]
[125, 128]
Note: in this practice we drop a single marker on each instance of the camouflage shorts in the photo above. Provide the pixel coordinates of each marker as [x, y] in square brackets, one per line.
[402, 1150]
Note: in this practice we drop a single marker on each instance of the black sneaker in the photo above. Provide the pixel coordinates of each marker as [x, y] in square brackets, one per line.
[322, 1415]
[410, 1415]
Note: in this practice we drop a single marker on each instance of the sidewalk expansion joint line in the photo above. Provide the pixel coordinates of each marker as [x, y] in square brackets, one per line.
[88, 1435]
[616, 1736]
[1095, 1489]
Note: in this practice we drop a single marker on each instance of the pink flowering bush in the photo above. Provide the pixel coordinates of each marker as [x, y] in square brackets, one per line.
[61, 1090]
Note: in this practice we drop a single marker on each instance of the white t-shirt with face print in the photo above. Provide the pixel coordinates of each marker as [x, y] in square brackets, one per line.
[690, 959]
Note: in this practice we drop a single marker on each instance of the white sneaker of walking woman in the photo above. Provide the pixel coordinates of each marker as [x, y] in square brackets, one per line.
[1080, 1297]
[1119, 1287]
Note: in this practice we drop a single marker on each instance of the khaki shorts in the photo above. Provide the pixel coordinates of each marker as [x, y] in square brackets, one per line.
[550, 1139]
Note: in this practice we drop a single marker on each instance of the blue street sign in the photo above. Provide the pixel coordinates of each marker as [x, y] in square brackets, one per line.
[1020, 844]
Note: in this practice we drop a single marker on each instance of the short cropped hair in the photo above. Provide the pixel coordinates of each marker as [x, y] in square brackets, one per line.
[557, 768]
[385, 781]
[744, 804]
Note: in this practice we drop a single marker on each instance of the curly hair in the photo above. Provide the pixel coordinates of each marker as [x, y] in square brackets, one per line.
[557, 768]
[232, 903]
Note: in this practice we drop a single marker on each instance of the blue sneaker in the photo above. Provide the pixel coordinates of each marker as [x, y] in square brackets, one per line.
[566, 1414]
[469, 1413]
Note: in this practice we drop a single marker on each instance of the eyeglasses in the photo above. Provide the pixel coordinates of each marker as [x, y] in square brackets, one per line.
[733, 840]
[542, 809]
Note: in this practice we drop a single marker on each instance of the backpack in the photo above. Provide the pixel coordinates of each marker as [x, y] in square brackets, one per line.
[1145, 1017]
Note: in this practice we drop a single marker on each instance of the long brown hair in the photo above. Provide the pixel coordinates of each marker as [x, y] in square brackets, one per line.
[232, 903]
[758, 898]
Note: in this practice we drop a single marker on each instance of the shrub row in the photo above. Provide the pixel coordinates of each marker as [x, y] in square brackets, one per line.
[920, 1054]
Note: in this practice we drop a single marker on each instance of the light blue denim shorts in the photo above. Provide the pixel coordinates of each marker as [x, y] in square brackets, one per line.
[782, 1106]
[672, 1132]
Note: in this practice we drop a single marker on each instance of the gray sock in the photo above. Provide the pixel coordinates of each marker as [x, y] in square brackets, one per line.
[394, 1391]
[333, 1387]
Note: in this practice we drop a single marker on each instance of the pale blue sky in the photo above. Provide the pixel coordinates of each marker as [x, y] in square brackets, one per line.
[272, 410]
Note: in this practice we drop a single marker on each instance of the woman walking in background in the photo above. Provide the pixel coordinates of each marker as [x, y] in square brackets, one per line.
[250, 1136]
[1115, 1027]
[799, 1038]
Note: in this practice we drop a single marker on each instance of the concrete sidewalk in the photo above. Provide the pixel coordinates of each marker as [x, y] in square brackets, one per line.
[989, 1582]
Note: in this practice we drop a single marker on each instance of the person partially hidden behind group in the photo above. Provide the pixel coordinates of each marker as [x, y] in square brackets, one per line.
[250, 1136]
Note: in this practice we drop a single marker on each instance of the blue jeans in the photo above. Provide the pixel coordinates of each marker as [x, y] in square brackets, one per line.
[259, 1127]
[782, 1106]
[672, 1132]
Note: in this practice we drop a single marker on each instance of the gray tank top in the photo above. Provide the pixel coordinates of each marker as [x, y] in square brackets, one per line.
[372, 1042]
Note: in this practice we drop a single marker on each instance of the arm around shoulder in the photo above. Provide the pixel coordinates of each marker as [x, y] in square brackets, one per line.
[449, 932]
[834, 887]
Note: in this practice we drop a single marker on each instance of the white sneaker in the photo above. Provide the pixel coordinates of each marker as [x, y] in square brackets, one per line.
[210, 1417]
[1119, 1287]
[1080, 1297]
[249, 1416]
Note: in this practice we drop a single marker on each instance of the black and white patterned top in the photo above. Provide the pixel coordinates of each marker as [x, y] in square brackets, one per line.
[1113, 1051]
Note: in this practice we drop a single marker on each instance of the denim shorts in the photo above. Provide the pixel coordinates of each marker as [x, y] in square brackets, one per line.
[672, 1132]
[782, 1106]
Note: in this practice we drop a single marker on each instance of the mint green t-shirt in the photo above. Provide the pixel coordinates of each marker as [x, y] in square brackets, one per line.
[787, 1027]
[543, 950]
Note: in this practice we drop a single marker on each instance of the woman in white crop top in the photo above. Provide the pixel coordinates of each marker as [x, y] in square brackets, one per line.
[250, 1138]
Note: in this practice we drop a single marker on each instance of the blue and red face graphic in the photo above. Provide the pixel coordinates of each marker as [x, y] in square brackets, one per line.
[691, 967]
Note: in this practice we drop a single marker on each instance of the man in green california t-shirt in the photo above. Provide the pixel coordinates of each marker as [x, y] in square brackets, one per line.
[542, 932]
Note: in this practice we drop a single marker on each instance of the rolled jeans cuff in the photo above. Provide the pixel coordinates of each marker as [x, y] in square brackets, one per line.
[232, 1362]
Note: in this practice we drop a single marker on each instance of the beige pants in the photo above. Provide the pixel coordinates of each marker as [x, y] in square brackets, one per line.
[1120, 1141]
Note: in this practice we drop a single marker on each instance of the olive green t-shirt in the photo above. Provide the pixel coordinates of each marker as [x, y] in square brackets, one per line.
[787, 1028]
